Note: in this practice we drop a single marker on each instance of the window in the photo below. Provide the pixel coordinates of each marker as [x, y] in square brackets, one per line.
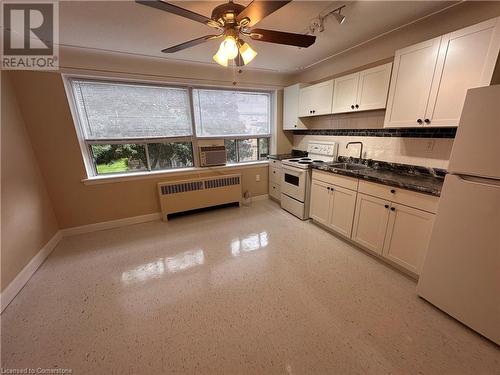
[128, 127]
[231, 113]
[245, 150]
[117, 110]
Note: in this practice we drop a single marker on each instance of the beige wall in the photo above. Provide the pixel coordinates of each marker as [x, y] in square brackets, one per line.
[49, 123]
[28, 220]
[383, 48]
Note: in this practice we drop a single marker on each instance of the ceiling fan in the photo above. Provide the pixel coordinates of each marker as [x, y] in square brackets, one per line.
[233, 21]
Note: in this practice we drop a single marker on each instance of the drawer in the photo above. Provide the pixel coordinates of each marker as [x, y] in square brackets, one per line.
[274, 163]
[336, 179]
[409, 198]
[275, 176]
[275, 191]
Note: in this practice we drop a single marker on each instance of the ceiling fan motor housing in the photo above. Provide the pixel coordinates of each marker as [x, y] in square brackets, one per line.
[226, 13]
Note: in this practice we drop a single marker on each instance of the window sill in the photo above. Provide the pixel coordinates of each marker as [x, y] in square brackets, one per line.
[109, 179]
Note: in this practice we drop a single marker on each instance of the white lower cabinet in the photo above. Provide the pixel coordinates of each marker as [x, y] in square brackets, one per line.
[275, 171]
[376, 221]
[333, 206]
[370, 222]
[319, 209]
[407, 236]
[343, 203]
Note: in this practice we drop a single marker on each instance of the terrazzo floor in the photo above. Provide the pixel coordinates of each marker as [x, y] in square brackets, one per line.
[248, 290]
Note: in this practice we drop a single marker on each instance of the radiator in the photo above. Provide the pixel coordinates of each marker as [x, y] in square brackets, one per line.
[180, 196]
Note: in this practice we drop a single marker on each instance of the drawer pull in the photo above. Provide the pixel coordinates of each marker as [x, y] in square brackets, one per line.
[386, 206]
[393, 191]
[393, 209]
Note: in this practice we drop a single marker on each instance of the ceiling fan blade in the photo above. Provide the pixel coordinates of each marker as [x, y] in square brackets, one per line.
[171, 8]
[191, 43]
[257, 10]
[280, 37]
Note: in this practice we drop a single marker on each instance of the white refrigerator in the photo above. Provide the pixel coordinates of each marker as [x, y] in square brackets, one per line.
[461, 270]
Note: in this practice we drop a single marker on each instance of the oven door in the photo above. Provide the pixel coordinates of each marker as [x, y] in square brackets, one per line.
[293, 182]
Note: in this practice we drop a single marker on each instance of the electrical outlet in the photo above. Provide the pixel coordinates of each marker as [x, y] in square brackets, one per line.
[430, 145]
[257, 177]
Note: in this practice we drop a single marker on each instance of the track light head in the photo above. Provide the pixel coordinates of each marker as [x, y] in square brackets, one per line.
[339, 17]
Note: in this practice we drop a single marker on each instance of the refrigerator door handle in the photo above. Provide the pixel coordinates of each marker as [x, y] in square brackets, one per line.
[480, 181]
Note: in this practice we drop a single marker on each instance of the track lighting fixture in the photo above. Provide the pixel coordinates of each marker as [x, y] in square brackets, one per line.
[339, 16]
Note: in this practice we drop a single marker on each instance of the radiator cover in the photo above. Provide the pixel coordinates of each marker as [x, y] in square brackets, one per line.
[186, 195]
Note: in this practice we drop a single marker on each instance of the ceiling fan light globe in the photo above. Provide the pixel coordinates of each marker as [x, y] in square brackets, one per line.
[247, 53]
[229, 47]
[220, 58]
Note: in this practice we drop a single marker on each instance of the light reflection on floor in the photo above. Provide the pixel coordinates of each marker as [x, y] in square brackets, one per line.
[252, 242]
[153, 270]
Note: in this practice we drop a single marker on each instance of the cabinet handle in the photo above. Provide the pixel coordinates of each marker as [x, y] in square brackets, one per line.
[314, 111]
[352, 106]
[295, 126]
[357, 106]
[386, 206]
[393, 209]
[419, 121]
[393, 191]
[427, 121]
[274, 171]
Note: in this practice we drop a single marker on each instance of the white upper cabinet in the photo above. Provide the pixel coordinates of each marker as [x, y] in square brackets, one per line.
[430, 79]
[316, 99]
[362, 91]
[467, 60]
[345, 93]
[411, 84]
[373, 87]
[291, 118]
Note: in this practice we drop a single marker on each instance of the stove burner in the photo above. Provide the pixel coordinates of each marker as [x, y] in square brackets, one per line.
[305, 162]
[318, 161]
[305, 159]
[294, 160]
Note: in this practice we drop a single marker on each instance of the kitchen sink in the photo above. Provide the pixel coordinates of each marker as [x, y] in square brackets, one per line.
[348, 166]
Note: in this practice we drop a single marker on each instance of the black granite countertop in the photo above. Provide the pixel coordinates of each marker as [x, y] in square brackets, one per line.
[293, 154]
[411, 177]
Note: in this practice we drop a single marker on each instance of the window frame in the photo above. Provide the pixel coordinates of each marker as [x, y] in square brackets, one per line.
[194, 139]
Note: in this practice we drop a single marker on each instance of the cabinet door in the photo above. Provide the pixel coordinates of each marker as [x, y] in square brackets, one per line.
[305, 101]
[291, 108]
[407, 236]
[370, 222]
[322, 96]
[373, 87]
[467, 59]
[345, 93]
[320, 202]
[411, 84]
[342, 207]
[275, 175]
[274, 191]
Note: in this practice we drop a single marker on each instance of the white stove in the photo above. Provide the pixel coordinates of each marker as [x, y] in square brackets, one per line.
[296, 177]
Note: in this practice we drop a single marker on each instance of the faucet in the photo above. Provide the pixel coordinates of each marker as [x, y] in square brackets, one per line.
[360, 150]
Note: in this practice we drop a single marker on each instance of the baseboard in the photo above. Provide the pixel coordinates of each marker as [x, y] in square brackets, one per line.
[262, 197]
[111, 224]
[23, 277]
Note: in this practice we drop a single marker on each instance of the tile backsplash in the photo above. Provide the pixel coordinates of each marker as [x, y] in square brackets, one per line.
[427, 152]
[428, 147]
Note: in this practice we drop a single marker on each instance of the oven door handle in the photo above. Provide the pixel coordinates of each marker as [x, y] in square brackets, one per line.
[293, 169]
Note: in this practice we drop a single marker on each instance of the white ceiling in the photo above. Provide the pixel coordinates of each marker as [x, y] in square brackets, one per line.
[126, 26]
